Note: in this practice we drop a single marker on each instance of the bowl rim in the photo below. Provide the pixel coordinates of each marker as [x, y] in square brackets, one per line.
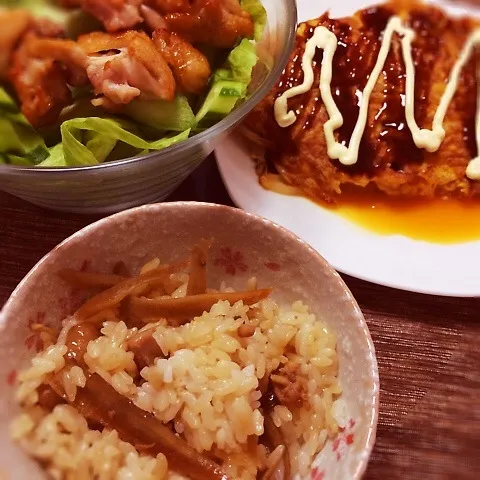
[335, 278]
[192, 142]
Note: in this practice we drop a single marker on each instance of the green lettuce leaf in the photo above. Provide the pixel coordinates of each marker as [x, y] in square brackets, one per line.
[41, 8]
[7, 103]
[18, 139]
[18, 161]
[89, 141]
[239, 64]
[259, 15]
[56, 157]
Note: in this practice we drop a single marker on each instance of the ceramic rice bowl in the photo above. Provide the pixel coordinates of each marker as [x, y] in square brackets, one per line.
[244, 246]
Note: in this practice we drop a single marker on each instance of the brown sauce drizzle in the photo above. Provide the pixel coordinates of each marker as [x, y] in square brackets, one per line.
[469, 105]
[353, 62]
[465, 100]
[425, 51]
[395, 140]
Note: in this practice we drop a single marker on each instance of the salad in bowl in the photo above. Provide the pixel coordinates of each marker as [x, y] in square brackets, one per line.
[84, 82]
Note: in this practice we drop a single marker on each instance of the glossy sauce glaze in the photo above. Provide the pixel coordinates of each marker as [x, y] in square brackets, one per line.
[441, 221]
[398, 145]
[348, 152]
[391, 145]
[353, 61]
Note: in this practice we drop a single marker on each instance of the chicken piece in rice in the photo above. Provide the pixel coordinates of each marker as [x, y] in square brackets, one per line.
[290, 386]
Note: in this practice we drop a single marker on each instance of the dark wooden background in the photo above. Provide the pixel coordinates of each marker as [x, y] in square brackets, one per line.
[428, 348]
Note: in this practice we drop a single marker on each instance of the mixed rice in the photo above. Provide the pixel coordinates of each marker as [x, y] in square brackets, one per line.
[250, 389]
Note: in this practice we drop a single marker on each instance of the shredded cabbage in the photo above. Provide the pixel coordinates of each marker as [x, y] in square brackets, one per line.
[89, 141]
[240, 63]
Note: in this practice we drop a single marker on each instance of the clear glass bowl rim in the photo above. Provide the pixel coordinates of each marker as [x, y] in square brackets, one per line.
[182, 147]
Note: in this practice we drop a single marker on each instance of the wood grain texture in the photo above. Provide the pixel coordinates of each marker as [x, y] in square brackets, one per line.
[428, 348]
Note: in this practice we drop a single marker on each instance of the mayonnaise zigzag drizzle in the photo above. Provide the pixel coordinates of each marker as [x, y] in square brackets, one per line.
[429, 140]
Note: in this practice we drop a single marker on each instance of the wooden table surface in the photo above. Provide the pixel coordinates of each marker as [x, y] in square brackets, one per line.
[428, 348]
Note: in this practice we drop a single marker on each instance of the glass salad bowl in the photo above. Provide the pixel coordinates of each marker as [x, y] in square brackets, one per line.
[117, 185]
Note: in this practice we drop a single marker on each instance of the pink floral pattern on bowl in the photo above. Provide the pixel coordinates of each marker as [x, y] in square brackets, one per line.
[231, 260]
[245, 246]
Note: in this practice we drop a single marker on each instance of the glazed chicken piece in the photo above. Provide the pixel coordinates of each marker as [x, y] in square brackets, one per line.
[132, 67]
[38, 78]
[190, 67]
[115, 15]
[152, 18]
[41, 86]
[66, 52]
[171, 6]
[14, 25]
[290, 386]
[120, 68]
[214, 22]
[41, 70]
[44, 27]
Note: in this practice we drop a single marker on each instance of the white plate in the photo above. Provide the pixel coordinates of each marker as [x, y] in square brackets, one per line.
[395, 261]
